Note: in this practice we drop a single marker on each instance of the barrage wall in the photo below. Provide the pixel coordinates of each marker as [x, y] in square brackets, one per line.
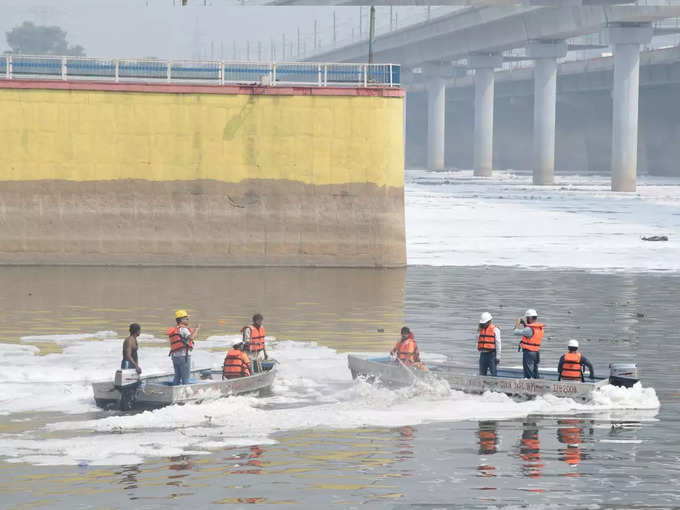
[94, 173]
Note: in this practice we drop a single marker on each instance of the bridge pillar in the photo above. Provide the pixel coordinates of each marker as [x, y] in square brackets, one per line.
[545, 54]
[436, 124]
[626, 40]
[483, 131]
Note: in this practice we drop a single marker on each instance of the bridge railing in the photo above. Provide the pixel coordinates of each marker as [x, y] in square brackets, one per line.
[198, 71]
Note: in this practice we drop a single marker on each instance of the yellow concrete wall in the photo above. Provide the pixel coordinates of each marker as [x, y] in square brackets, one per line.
[104, 135]
[112, 177]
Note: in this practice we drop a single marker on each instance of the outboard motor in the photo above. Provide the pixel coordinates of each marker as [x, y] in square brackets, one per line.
[127, 381]
[623, 374]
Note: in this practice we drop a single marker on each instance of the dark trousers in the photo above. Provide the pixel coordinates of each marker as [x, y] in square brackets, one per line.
[530, 360]
[487, 362]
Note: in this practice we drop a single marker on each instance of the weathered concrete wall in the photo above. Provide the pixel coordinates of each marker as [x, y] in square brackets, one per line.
[199, 175]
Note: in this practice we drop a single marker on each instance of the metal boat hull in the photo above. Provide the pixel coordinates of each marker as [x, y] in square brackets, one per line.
[509, 380]
[158, 391]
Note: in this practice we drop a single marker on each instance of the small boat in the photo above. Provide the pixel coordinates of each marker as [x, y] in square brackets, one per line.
[509, 380]
[128, 390]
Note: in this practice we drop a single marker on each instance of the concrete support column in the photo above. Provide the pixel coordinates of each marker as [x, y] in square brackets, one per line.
[483, 131]
[545, 54]
[626, 40]
[436, 115]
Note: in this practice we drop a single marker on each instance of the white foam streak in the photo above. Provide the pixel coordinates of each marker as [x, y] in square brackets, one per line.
[505, 221]
[314, 389]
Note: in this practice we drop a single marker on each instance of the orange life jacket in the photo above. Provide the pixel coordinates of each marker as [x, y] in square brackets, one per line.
[406, 350]
[487, 339]
[256, 343]
[571, 368]
[236, 364]
[176, 342]
[533, 343]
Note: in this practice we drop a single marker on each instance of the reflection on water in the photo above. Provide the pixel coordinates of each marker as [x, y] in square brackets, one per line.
[572, 433]
[530, 451]
[488, 445]
[349, 467]
[341, 308]
[129, 477]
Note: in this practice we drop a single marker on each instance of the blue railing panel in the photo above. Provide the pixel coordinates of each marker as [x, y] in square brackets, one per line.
[214, 72]
[36, 66]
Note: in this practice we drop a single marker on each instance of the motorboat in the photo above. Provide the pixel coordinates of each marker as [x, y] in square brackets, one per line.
[508, 380]
[128, 390]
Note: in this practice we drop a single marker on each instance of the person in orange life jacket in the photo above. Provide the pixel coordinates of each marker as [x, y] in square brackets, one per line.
[572, 363]
[488, 345]
[130, 347]
[253, 338]
[406, 349]
[236, 363]
[182, 339]
[531, 332]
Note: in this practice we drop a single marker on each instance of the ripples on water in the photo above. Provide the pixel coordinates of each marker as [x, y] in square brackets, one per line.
[321, 437]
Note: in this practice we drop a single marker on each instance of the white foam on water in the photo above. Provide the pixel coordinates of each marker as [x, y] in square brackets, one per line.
[505, 221]
[313, 390]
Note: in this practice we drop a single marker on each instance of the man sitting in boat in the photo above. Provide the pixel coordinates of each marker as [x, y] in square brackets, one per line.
[406, 350]
[236, 363]
[488, 345]
[572, 363]
[531, 332]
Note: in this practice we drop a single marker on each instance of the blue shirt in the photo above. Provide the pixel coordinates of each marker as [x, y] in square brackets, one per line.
[525, 331]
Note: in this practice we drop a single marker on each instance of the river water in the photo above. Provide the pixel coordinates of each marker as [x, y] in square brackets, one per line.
[321, 438]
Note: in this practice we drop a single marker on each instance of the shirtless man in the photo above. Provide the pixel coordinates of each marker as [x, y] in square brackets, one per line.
[130, 347]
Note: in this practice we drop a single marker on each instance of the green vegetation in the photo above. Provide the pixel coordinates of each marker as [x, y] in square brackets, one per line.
[32, 39]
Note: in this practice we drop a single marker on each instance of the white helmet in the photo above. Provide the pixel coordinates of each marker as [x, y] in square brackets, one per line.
[530, 313]
[573, 343]
[485, 317]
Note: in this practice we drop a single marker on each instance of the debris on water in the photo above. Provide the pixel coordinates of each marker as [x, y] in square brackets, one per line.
[655, 238]
[569, 312]
[381, 330]
[640, 315]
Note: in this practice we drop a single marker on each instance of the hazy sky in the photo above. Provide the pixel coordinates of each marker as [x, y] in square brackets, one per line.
[137, 28]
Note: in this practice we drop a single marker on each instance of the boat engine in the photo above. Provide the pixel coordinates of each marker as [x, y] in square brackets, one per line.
[127, 381]
[623, 374]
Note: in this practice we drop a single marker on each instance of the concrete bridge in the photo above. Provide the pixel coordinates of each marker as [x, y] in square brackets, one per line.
[443, 52]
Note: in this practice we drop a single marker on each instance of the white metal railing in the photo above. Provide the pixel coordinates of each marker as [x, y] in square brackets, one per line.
[198, 71]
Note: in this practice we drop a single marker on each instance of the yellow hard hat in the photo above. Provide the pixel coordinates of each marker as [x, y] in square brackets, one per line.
[181, 313]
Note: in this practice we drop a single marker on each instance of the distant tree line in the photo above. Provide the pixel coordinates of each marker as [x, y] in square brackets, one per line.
[31, 39]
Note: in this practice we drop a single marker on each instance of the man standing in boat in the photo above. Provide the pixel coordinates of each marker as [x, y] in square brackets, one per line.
[130, 347]
[406, 349]
[531, 332]
[236, 363]
[488, 345]
[253, 340]
[572, 363]
[182, 338]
